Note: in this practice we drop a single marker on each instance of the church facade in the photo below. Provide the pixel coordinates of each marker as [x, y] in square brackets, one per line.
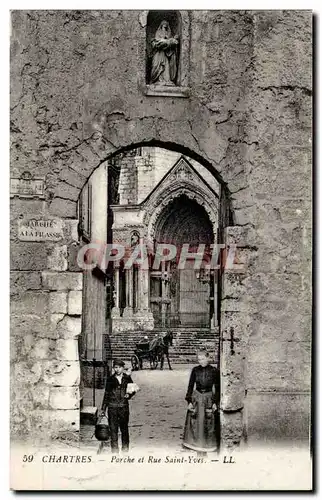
[159, 201]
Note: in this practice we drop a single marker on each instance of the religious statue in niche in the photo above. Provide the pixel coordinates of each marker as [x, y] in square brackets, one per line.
[135, 239]
[164, 56]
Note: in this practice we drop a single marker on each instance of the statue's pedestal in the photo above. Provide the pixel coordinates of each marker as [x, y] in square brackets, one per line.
[128, 313]
[115, 313]
[167, 90]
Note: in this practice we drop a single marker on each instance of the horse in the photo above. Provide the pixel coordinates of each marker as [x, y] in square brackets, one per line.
[160, 348]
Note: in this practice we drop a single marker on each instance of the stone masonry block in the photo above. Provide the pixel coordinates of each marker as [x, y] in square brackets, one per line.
[21, 400]
[242, 323]
[75, 303]
[57, 259]
[63, 208]
[234, 287]
[21, 281]
[61, 373]
[67, 349]
[71, 227]
[302, 351]
[15, 349]
[72, 177]
[40, 395]
[25, 256]
[65, 190]
[239, 235]
[58, 302]
[27, 372]
[32, 348]
[32, 302]
[54, 320]
[62, 281]
[267, 350]
[231, 429]
[69, 327]
[301, 375]
[37, 324]
[271, 375]
[89, 153]
[18, 207]
[54, 423]
[64, 398]
[73, 250]
[235, 305]
[232, 385]
[40, 349]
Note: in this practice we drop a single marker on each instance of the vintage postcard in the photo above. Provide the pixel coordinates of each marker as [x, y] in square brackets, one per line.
[161, 249]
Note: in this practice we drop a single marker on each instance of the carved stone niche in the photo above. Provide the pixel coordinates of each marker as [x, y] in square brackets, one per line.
[166, 63]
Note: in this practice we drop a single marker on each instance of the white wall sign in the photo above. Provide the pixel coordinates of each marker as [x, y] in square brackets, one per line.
[27, 186]
[40, 229]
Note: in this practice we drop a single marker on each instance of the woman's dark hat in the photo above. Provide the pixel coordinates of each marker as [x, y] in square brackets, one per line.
[118, 362]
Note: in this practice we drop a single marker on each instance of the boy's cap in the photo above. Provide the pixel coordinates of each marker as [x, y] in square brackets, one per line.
[118, 362]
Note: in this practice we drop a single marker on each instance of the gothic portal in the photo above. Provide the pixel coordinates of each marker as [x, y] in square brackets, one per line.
[183, 297]
[162, 199]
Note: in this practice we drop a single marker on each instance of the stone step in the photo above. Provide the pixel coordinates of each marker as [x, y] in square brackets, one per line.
[186, 343]
[171, 348]
[174, 346]
[189, 352]
[175, 342]
[125, 341]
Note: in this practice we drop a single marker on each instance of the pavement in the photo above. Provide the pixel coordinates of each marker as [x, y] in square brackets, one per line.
[157, 411]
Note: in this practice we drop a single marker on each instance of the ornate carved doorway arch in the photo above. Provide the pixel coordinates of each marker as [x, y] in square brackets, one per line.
[183, 297]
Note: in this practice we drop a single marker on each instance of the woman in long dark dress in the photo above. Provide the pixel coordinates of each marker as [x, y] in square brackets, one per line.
[203, 399]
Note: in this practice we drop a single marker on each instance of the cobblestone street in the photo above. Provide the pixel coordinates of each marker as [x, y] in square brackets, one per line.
[157, 412]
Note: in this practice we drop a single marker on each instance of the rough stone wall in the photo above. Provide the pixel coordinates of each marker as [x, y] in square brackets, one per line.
[146, 172]
[76, 98]
[272, 206]
[46, 307]
[280, 188]
[128, 180]
[164, 160]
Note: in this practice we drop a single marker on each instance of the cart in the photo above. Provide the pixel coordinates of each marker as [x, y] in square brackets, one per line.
[144, 352]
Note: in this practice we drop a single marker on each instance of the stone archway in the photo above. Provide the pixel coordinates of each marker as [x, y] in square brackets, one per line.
[231, 383]
[96, 107]
[110, 134]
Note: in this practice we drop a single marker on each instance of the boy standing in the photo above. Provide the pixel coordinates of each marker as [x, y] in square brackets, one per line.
[116, 400]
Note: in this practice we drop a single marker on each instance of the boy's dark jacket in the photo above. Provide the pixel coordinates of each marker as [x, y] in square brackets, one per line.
[115, 393]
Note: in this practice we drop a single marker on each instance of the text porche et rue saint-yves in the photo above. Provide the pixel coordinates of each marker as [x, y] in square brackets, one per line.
[115, 459]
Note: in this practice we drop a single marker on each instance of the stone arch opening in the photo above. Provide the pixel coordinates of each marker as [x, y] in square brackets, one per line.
[105, 152]
[188, 193]
[100, 154]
